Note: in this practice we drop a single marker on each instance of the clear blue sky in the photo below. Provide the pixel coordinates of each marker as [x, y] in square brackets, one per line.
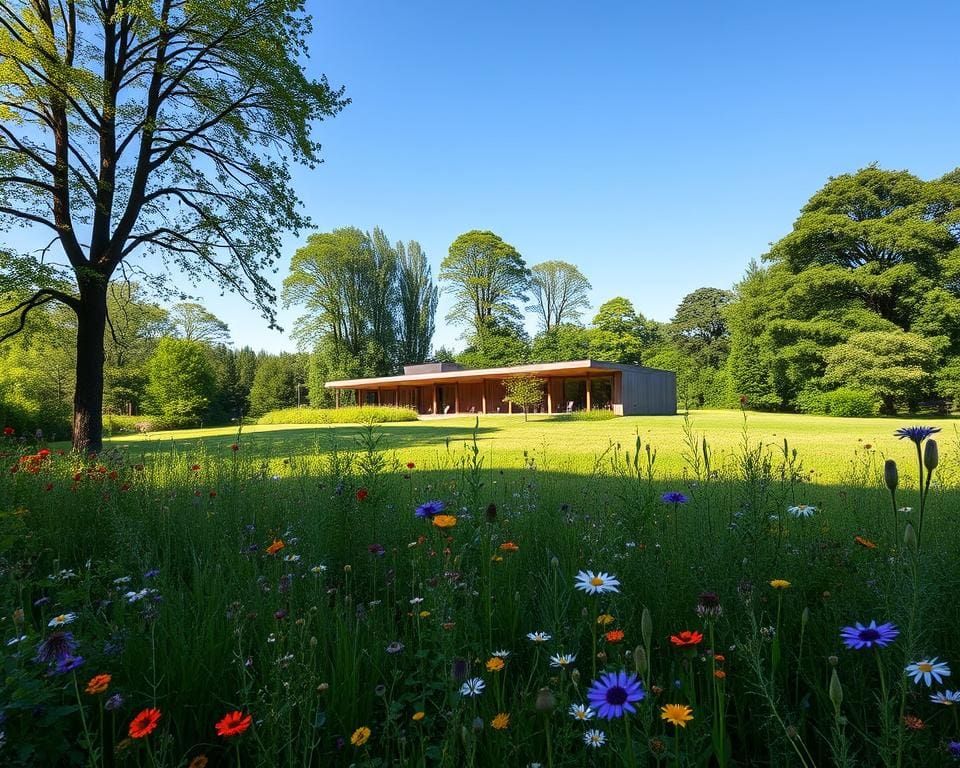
[658, 146]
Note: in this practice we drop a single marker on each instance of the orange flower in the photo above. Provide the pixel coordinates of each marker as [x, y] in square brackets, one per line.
[495, 664]
[200, 761]
[719, 674]
[444, 521]
[686, 638]
[145, 723]
[418, 716]
[864, 542]
[501, 721]
[233, 724]
[719, 658]
[275, 547]
[98, 684]
[614, 635]
[914, 723]
[509, 546]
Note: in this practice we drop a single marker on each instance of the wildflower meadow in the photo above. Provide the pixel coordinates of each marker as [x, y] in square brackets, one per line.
[354, 607]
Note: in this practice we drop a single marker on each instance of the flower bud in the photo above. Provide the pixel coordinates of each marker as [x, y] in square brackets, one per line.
[546, 701]
[931, 455]
[575, 678]
[833, 660]
[477, 724]
[910, 536]
[890, 475]
[640, 660]
[805, 617]
[347, 568]
[836, 691]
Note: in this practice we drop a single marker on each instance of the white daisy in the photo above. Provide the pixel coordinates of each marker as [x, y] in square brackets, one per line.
[538, 637]
[61, 620]
[802, 510]
[596, 583]
[928, 670]
[472, 687]
[581, 712]
[594, 738]
[946, 697]
[562, 659]
[500, 654]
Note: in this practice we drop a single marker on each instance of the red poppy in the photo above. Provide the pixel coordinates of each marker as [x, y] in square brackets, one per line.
[410, 465]
[233, 724]
[614, 635]
[43, 453]
[145, 723]
[687, 638]
[7, 431]
[362, 494]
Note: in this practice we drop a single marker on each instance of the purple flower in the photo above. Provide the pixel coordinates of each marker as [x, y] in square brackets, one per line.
[614, 693]
[395, 647]
[430, 508]
[152, 573]
[953, 747]
[673, 497]
[917, 434]
[66, 664]
[56, 647]
[377, 549]
[114, 702]
[859, 636]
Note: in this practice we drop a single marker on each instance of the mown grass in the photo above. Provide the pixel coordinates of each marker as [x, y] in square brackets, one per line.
[835, 449]
[298, 638]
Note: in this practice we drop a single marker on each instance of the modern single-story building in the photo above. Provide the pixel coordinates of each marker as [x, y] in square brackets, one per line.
[578, 385]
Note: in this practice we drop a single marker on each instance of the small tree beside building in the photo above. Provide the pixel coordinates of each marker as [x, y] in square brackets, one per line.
[524, 391]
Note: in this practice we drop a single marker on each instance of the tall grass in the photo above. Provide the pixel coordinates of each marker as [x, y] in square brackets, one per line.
[353, 414]
[305, 591]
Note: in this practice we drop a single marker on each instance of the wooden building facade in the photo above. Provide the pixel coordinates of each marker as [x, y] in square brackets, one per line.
[579, 385]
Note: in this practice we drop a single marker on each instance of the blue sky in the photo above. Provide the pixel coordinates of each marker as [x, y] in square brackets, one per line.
[659, 147]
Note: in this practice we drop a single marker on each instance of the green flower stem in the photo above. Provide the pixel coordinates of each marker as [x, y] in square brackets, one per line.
[631, 757]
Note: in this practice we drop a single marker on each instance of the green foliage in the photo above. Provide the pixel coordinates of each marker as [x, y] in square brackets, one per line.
[890, 367]
[559, 293]
[416, 304]
[192, 321]
[699, 326]
[181, 382]
[561, 343]
[353, 414]
[275, 383]
[486, 276]
[620, 334]
[114, 424]
[499, 343]
[843, 401]
[524, 391]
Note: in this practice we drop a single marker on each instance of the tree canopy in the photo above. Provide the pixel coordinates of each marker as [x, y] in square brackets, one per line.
[559, 293]
[164, 128]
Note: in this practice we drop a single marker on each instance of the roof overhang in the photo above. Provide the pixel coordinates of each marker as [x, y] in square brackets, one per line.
[570, 368]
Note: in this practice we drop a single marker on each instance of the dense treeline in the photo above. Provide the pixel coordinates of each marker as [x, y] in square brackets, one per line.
[856, 311]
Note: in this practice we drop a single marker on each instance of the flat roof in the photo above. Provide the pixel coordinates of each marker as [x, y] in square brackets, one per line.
[468, 374]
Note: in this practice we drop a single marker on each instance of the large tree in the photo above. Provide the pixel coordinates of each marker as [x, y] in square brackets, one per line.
[559, 293]
[699, 326]
[486, 276]
[164, 127]
[621, 334]
[416, 304]
[194, 322]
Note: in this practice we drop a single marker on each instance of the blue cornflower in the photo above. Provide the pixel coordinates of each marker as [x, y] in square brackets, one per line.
[66, 664]
[56, 647]
[673, 497]
[953, 747]
[917, 434]
[430, 508]
[614, 693]
[152, 573]
[859, 636]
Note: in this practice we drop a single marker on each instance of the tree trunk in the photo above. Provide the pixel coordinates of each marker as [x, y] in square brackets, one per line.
[88, 395]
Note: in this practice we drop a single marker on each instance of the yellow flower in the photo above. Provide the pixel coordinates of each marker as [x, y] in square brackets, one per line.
[779, 583]
[418, 716]
[444, 521]
[360, 736]
[98, 684]
[604, 619]
[676, 714]
[501, 721]
[495, 664]
[423, 614]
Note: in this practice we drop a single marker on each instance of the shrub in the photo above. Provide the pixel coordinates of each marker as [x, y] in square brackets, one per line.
[838, 402]
[598, 415]
[362, 414]
[138, 424]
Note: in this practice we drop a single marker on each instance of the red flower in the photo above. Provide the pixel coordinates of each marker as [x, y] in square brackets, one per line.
[234, 447]
[686, 638]
[362, 494]
[145, 723]
[195, 467]
[410, 465]
[614, 635]
[233, 724]
[43, 453]
[7, 431]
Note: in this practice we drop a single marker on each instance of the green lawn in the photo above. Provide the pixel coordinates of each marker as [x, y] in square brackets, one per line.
[835, 449]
